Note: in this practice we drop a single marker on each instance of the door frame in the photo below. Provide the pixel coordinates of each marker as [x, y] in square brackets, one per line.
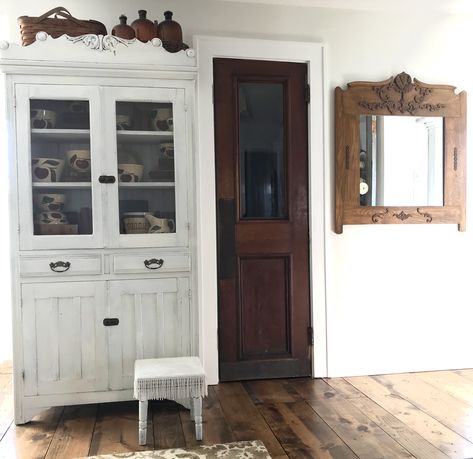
[313, 54]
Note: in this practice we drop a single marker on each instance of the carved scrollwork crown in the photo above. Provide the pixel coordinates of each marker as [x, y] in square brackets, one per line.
[378, 217]
[402, 94]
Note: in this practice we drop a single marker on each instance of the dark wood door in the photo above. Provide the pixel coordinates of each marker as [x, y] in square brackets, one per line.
[262, 204]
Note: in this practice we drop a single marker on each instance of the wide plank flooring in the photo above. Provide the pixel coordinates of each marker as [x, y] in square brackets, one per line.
[416, 415]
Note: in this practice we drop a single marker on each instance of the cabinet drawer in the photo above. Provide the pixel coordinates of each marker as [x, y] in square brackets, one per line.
[150, 262]
[61, 265]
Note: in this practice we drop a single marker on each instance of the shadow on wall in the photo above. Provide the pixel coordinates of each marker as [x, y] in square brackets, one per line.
[5, 299]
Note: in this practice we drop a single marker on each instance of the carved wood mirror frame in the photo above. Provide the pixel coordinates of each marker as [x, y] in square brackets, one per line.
[404, 96]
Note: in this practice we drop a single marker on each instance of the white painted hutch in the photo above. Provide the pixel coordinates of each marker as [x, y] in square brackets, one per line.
[88, 303]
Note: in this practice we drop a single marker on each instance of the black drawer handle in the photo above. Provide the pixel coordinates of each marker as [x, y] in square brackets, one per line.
[60, 266]
[154, 263]
[107, 179]
[111, 322]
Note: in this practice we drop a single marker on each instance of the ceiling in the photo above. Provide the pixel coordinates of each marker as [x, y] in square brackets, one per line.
[446, 6]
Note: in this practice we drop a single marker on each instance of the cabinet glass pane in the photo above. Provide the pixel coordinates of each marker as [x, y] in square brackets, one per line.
[145, 159]
[262, 156]
[61, 167]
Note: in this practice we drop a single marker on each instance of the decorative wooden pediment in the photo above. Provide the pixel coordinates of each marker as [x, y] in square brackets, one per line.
[101, 51]
[400, 95]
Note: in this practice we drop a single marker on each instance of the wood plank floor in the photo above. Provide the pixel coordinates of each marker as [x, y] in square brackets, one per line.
[415, 415]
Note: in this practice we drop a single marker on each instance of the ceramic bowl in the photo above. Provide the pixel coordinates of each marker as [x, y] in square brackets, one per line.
[47, 169]
[167, 150]
[161, 119]
[78, 160]
[78, 106]
[130, 172]
[42, 119]
[123, 122]
[135, 222]
[125, 157]
[51, 218]
[49, 202]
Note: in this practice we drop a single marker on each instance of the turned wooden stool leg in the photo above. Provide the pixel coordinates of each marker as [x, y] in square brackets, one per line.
[197, 404]
[143, 421]
[192, 414]
[173, 378]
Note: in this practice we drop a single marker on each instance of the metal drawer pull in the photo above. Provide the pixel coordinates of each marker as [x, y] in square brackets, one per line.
[107, 179]
[111, 322]
[60, 266]
[154, 263]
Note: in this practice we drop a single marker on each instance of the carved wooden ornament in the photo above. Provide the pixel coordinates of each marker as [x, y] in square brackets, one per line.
[400, 95]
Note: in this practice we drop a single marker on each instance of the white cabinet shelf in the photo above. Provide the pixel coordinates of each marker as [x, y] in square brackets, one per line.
[143, 185]
[61, 185]
[60, 135]
[145, 137]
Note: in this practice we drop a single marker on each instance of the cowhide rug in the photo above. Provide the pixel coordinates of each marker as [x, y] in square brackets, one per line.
[237, 450]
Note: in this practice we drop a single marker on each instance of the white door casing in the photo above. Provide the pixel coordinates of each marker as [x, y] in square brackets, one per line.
[207, 49]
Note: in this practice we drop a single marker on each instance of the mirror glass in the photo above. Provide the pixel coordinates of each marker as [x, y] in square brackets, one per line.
[401, 161]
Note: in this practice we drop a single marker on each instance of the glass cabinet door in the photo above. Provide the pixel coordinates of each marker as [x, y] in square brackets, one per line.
[148, 200]
[59, 155]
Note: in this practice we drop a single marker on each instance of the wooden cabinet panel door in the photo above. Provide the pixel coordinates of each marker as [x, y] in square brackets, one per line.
[64, 338]
[261, 144]
[154, 321]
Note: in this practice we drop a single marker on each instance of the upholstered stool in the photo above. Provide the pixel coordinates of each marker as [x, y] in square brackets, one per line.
[178, 379]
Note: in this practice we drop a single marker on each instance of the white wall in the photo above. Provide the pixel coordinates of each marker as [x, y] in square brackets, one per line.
[398, 297]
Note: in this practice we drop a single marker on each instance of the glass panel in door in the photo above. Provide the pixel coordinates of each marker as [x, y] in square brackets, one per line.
[146, 167]
[262, 150]
[58, 149]
[61, 167]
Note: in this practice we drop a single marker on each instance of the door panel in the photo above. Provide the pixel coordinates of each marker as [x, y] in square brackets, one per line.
[149, 157]
[60, 148]
[64, 338]
[266, 331]
[263, 244]
[154, 321]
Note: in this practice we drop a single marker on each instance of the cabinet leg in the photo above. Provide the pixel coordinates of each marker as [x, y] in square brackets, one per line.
[143, 422]
[197, 404]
